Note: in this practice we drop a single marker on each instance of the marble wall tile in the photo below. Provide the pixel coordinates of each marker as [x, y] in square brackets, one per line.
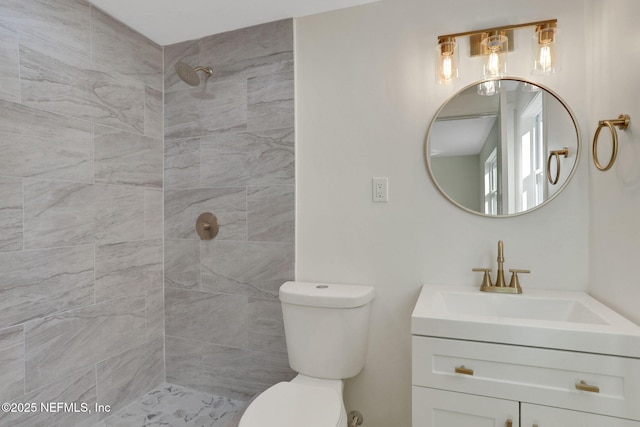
[183, 206]
[130, 374]
[270, 102]
[119, 214]
[254, 67]
[187, 52]
[271, 213]
[11, 363]
[266, 328]
[252, 42]
[64, 21]
[154, 311]
[78, 387]
[182, 163]
[246, 268]
[206, 316]
[58, 214]
[153, 210]
[182, 263]
[62, 81]
[10, 214]
[58, 345]
[127, 269]
[184, 362]
[211, 107]
[9, 63]
[124, 50]
[44, 145]
[153, 113]
[244, 158]
[42, 282]
[127, 158]
[240, 373]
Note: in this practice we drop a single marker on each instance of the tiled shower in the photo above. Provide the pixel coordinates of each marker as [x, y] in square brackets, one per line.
[102, 284]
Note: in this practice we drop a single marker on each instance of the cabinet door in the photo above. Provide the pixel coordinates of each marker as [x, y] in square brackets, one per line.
[439, 408]
[544, 416]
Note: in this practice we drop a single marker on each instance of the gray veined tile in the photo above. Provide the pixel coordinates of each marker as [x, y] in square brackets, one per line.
[124, 377]
[246, 268]
[184, 362]
[153, 113]
[154, 312]
[266, 327]
[67, 83]
[211, 107]
[183, 206]
[271, 213]
[39, 144]
[78, 388]
[58, 214]
[153, 209]
[11, 363]
[10, 214]
[251, 42]
[9, 63]
[127, 158]
[270, 102]
[66, 22]
[118, 47]
[127, 269]
[38, 283]
[254, 67]
[182, 163]
[59, 345]
[204, 316]
[247, 158]
[182, 264]
[119, 214]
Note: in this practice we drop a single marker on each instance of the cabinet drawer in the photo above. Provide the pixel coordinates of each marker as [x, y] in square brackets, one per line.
[534, 375]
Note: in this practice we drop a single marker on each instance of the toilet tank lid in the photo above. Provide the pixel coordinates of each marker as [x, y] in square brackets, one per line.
[326, 295]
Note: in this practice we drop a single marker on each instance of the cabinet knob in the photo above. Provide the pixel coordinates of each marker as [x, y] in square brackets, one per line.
[463, 370]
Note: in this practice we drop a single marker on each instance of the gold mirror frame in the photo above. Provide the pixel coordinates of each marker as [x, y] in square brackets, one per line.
[577, 153]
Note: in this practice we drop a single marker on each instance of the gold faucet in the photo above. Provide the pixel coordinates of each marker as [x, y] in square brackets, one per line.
[501, 286]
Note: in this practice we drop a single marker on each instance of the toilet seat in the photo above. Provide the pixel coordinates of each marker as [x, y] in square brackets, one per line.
[291, 404]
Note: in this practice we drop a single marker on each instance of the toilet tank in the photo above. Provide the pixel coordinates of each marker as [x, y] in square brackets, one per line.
[326, 327]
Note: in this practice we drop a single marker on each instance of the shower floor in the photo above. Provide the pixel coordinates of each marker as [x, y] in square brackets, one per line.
[175, 406]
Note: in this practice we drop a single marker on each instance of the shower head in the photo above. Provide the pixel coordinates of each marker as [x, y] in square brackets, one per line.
[189, 75]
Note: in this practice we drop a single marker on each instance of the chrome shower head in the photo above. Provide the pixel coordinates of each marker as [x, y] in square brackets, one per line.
[189, 75]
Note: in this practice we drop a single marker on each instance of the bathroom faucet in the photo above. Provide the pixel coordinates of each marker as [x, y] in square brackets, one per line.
[501, 286]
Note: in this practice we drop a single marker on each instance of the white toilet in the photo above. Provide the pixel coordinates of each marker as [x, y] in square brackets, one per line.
[326, 328]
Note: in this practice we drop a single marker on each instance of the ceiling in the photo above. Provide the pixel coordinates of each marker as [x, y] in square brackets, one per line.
[169, 21]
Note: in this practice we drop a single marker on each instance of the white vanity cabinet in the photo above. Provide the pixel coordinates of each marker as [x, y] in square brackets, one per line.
[459, 383]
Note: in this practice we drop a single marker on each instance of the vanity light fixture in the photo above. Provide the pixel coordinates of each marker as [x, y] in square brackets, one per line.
[493, 44]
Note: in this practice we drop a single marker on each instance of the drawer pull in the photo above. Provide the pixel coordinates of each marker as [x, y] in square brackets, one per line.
[586, 387]
[509, 423]
[465, 371]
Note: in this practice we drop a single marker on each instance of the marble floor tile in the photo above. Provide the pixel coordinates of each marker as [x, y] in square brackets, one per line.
[175, 406]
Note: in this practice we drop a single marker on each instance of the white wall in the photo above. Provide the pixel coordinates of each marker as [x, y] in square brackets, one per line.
[365, 95]
[615, 195]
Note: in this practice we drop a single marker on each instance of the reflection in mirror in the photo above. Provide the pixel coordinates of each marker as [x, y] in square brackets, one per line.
[489, 147]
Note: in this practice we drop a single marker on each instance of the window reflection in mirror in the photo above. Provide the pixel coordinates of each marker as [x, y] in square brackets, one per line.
[487, 150]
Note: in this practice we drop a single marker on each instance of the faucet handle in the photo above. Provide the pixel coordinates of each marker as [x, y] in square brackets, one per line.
[515, 282]
[486, 280]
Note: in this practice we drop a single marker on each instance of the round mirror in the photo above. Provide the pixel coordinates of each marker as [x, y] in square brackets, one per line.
[502, 147]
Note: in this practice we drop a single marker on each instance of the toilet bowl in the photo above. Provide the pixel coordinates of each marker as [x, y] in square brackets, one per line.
[326, 328]
[303, 401]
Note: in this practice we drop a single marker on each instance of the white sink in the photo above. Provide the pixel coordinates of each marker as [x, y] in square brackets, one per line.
[554, 319]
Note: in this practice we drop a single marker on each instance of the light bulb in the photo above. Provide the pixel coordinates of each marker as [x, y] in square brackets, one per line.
[447, 61]
[545, 58]
[446, 68]
[494, 47]
[493, 66]
[544, 45]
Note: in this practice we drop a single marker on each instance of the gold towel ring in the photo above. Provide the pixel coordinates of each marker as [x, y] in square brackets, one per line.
[556, 153]
[622, 122]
